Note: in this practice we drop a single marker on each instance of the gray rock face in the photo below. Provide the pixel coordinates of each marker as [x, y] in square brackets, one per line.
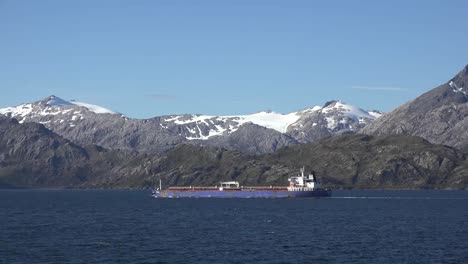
[252, 139]
[33, 156]
[440, 115]
[348, 161]
[30, 154]
[257, 133]
[393, 162]
[88, 126]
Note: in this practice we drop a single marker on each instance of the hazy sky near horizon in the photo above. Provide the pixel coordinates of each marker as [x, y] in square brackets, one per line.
[148, 58]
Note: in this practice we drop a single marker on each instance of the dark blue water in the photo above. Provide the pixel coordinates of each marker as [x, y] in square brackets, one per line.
[78, 226]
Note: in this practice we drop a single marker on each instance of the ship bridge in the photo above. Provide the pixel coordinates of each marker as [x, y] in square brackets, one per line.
[230, 184]
[302, 182]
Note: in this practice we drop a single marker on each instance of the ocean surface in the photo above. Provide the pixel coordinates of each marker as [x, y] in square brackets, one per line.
[117, 226]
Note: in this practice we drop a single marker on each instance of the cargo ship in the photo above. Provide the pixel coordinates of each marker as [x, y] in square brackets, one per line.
[299, 186]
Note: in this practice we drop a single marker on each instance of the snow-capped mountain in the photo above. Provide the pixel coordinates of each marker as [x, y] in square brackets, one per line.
[334, 117]
[43, 111]
[264, 131]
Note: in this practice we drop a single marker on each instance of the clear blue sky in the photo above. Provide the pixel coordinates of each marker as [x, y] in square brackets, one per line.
[148, 58]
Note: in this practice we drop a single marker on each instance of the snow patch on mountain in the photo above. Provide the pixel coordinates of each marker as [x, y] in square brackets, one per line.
[217, 131]
[17, 111]
[458, 89]
[94, 108]
[194, 119]
[349, 110]
[331, 123]
[272, 120]
[276, 121]
[305, 125]
[21, 111]
[375, 114]
[337, 112]
[52, 106]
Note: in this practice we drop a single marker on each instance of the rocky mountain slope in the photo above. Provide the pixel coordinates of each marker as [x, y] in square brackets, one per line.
[87, 124]
[439, 115]
[261, 132]
[395, 161]
[33, 156]
[347, 161]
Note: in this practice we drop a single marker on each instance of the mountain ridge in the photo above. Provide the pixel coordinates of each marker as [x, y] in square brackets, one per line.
[89, 124]
[438, 115]
[31, 156]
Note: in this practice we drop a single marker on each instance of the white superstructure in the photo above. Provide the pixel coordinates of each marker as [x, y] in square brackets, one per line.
[303, 183]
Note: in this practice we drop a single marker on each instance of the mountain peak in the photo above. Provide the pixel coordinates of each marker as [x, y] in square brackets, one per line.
[332, 102]
[463, 72]
[438, 115]
[461, 79]
[54, 101]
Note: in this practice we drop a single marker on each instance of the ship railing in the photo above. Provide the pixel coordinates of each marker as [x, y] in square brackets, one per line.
[260, 188]
[187, 188]
[300, 189]
[246, 188]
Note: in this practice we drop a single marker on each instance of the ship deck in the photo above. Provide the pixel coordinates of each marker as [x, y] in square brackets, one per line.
[247, 188]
